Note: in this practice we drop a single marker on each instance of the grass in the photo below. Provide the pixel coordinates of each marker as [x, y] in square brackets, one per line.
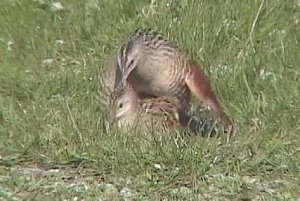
[53, 144]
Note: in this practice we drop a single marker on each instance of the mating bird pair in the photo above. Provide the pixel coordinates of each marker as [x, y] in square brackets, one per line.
[150, 81]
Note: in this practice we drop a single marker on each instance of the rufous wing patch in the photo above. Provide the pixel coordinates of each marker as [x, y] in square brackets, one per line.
[200, 86]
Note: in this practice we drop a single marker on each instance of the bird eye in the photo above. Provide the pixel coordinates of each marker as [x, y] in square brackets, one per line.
[131, 63]
[120, 105]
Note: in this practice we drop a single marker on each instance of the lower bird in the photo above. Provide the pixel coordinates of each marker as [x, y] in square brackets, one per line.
[126, 109]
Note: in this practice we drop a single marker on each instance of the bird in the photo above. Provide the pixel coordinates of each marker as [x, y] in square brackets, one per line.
[127, 110]
[155, 67]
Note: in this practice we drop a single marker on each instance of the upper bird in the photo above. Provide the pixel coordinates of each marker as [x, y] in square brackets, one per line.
[155, 67]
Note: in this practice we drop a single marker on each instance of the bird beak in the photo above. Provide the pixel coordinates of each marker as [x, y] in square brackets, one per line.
[110, 121]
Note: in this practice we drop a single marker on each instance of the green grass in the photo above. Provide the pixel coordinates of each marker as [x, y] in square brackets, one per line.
[53, 144]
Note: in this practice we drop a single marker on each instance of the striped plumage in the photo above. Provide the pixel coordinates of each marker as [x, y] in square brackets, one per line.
[107, 80]
[109, 77]
[127, 109]
[156, 67]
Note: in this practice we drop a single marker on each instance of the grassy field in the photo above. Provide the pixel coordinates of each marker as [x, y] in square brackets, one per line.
[52, 140]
